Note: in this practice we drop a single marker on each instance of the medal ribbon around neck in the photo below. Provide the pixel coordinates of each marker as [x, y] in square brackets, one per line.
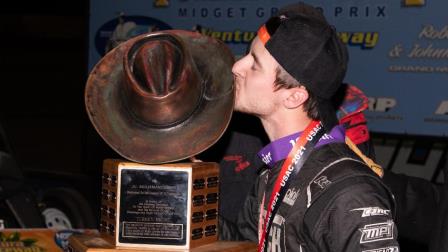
[293, 163]
[279, 149]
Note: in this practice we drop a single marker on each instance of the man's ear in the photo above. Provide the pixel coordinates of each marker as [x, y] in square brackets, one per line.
[296, 97]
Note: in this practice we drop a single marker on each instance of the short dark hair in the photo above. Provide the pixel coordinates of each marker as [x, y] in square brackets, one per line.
[284, 80]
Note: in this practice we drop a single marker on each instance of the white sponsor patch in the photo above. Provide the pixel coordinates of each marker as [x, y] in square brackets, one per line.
[372, 211]
[387, 249]
[377, 232]
[291, 196]
[322, 181]
[277, 239]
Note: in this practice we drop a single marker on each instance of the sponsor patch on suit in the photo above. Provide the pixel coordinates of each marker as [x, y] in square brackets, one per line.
[386, 249]
[377, 232]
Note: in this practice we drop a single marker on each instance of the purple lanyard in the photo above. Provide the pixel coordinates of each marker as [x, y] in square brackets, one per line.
[280, 148]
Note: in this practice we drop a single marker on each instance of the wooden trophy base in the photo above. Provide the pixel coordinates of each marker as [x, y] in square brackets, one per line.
[102, 243]
[167, 206]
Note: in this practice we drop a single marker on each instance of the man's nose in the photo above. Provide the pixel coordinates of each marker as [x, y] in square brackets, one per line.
[237, 68]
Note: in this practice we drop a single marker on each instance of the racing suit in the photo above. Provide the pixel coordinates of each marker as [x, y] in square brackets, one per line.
[349, 207]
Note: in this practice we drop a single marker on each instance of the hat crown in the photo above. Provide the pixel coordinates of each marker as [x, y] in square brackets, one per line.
[156, 67]
[163, 86]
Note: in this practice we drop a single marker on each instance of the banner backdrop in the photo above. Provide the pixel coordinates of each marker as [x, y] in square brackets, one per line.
[398, 49]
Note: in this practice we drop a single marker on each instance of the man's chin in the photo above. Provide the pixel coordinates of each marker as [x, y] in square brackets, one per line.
[242, 110]
[238, 108]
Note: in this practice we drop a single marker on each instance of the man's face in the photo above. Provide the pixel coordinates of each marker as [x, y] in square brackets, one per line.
[254, 76]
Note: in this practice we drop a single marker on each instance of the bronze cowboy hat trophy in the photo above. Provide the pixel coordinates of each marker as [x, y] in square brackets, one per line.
[156, 99]
[162, 97]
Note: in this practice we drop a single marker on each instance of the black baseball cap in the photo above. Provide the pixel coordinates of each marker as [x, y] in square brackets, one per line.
[308, 48]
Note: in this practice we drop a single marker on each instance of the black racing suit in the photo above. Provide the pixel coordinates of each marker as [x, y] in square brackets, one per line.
[355, 215]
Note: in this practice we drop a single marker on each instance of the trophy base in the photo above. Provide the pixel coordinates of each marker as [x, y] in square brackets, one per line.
[103, 243]
[168, 206]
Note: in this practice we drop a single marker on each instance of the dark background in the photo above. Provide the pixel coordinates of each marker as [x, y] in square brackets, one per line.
[43, 66]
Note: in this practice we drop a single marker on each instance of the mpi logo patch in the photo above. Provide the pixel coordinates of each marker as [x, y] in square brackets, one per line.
[377, 232]
[387, 249]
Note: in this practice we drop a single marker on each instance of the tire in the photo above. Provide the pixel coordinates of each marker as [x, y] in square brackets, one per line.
[64, 207]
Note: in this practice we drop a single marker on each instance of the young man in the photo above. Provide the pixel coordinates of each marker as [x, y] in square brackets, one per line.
[316, 195]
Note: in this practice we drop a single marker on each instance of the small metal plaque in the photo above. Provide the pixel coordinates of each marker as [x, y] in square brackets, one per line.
[153, 206]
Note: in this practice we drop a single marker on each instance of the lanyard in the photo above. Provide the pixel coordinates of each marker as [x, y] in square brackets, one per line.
[295, 160]
[280, 148]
